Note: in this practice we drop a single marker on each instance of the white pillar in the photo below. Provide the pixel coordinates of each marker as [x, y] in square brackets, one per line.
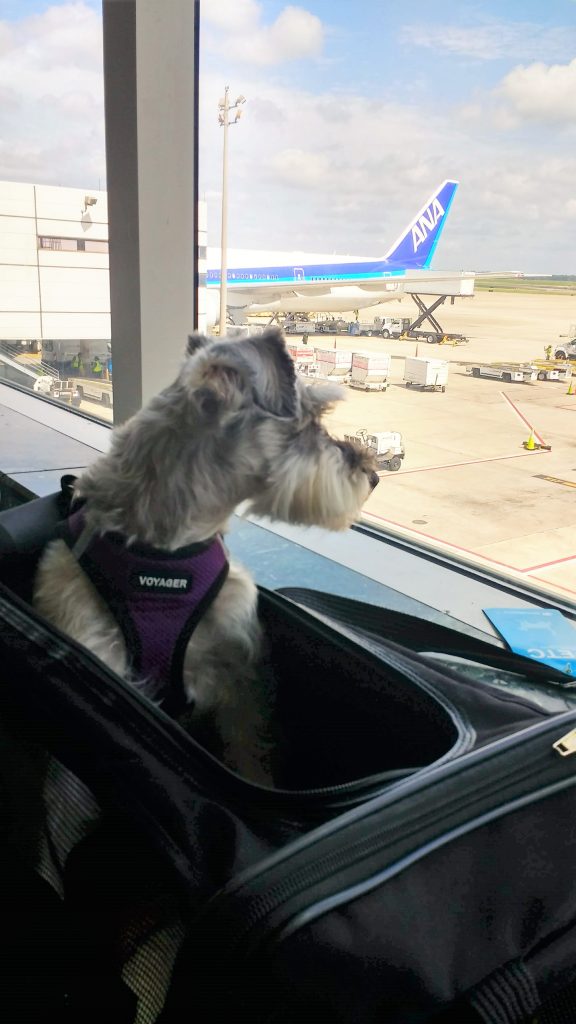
[150, 76]
[224, 225]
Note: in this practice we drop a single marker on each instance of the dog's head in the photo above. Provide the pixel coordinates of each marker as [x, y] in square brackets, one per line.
[259, 425]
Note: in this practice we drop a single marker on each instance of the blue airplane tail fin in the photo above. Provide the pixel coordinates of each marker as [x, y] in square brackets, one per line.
[416, 246]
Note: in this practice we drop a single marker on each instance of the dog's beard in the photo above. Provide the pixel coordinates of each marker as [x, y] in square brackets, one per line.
[314, 490]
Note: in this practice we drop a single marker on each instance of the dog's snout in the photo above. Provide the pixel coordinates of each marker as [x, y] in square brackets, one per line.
[373, 479]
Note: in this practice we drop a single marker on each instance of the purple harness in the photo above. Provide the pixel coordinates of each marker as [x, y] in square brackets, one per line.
[158, 598]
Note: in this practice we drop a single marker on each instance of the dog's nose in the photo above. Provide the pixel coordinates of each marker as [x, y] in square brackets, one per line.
[373, 479]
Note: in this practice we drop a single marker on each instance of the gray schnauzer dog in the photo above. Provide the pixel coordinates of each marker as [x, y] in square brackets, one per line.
[139, 574]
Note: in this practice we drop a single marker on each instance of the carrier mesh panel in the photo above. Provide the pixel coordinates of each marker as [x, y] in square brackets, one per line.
[50, 820]
[560, 1009]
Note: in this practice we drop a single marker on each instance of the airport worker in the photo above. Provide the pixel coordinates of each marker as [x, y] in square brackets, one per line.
[96, 367]
[75, 364]
[548, 351]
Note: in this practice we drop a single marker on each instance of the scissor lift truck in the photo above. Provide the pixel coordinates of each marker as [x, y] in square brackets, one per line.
[386, 445]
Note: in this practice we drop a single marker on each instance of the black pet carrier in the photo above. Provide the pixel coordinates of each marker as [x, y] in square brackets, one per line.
[417, 862]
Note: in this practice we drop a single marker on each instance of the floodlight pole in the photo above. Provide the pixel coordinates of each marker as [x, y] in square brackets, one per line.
[224, 108]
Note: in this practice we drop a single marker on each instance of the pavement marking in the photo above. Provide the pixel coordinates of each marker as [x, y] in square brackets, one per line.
[556, 480]
[523, 418]
[487, 558]
[470, 462]
[546, 565]
[441, 541]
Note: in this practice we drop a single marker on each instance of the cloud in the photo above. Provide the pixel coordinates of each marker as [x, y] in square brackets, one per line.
[327, 170]
[239, 34]
[52, 97]
[542, 92]
[344, 172]
[493, 39]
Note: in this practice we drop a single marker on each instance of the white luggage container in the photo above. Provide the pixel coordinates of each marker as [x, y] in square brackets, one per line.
[303, 357]
[370, 371]
[333, 363]
[426, 374]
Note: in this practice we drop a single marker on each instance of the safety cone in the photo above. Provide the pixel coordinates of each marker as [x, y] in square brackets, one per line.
[570, 390]
[530, 444]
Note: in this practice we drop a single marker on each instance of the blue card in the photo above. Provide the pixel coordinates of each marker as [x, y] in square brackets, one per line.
[539, 633]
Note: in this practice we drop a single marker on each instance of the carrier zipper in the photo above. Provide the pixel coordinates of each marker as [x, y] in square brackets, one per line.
[252, 910]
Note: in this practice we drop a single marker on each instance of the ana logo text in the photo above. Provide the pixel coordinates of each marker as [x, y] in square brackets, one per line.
[426, 223]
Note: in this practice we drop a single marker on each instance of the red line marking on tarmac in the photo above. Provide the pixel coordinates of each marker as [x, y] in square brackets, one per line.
[472, 462]
[445, 543]
[545, 565]
[523, 418]
[478, 554]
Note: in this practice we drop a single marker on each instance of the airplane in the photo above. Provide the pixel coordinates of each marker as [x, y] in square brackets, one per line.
[303, 282]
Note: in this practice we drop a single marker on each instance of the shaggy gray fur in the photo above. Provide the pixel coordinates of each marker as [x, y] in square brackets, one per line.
[238, 425]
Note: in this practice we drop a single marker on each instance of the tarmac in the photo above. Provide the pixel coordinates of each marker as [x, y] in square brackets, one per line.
[467, 484]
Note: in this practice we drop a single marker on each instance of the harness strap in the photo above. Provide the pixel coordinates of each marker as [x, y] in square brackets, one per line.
[157, 597]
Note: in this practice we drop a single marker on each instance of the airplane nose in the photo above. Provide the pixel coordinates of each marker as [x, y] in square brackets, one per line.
[373, 480]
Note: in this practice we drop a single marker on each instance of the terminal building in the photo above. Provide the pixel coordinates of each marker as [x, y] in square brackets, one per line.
[54, 275]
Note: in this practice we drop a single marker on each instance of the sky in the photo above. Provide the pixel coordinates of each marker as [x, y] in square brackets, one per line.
[354, 113]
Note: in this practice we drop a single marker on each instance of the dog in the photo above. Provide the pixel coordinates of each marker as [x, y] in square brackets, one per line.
[237, 426]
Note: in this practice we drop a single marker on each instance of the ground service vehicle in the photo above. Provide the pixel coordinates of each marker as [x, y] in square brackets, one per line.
[436, 337]
[95, 390]
[549, 370]
[519, 373]
[61, 390]
[299, 327]
[566, 350]
[332, 325]
[383, 327]
[394, 328]
[386, 445]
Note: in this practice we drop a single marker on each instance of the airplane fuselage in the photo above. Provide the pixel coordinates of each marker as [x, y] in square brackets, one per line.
[294, 282]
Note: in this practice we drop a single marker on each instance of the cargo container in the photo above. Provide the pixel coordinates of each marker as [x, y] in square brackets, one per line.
[303, 357]
[370, 371]
[426, 374]
[333, 363]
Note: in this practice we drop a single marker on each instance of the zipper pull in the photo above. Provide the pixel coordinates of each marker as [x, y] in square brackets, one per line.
[566, 745]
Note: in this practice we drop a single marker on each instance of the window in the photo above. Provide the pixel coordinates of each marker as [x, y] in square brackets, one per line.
[73, 244]
[323, 162]
[340, 150]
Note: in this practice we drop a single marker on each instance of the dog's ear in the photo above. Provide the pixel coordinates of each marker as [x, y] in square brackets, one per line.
[319, 398]
[273, 373]
[195, 342]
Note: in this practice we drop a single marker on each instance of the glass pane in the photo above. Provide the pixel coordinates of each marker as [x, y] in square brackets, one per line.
[54, 298]
[446, 310]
